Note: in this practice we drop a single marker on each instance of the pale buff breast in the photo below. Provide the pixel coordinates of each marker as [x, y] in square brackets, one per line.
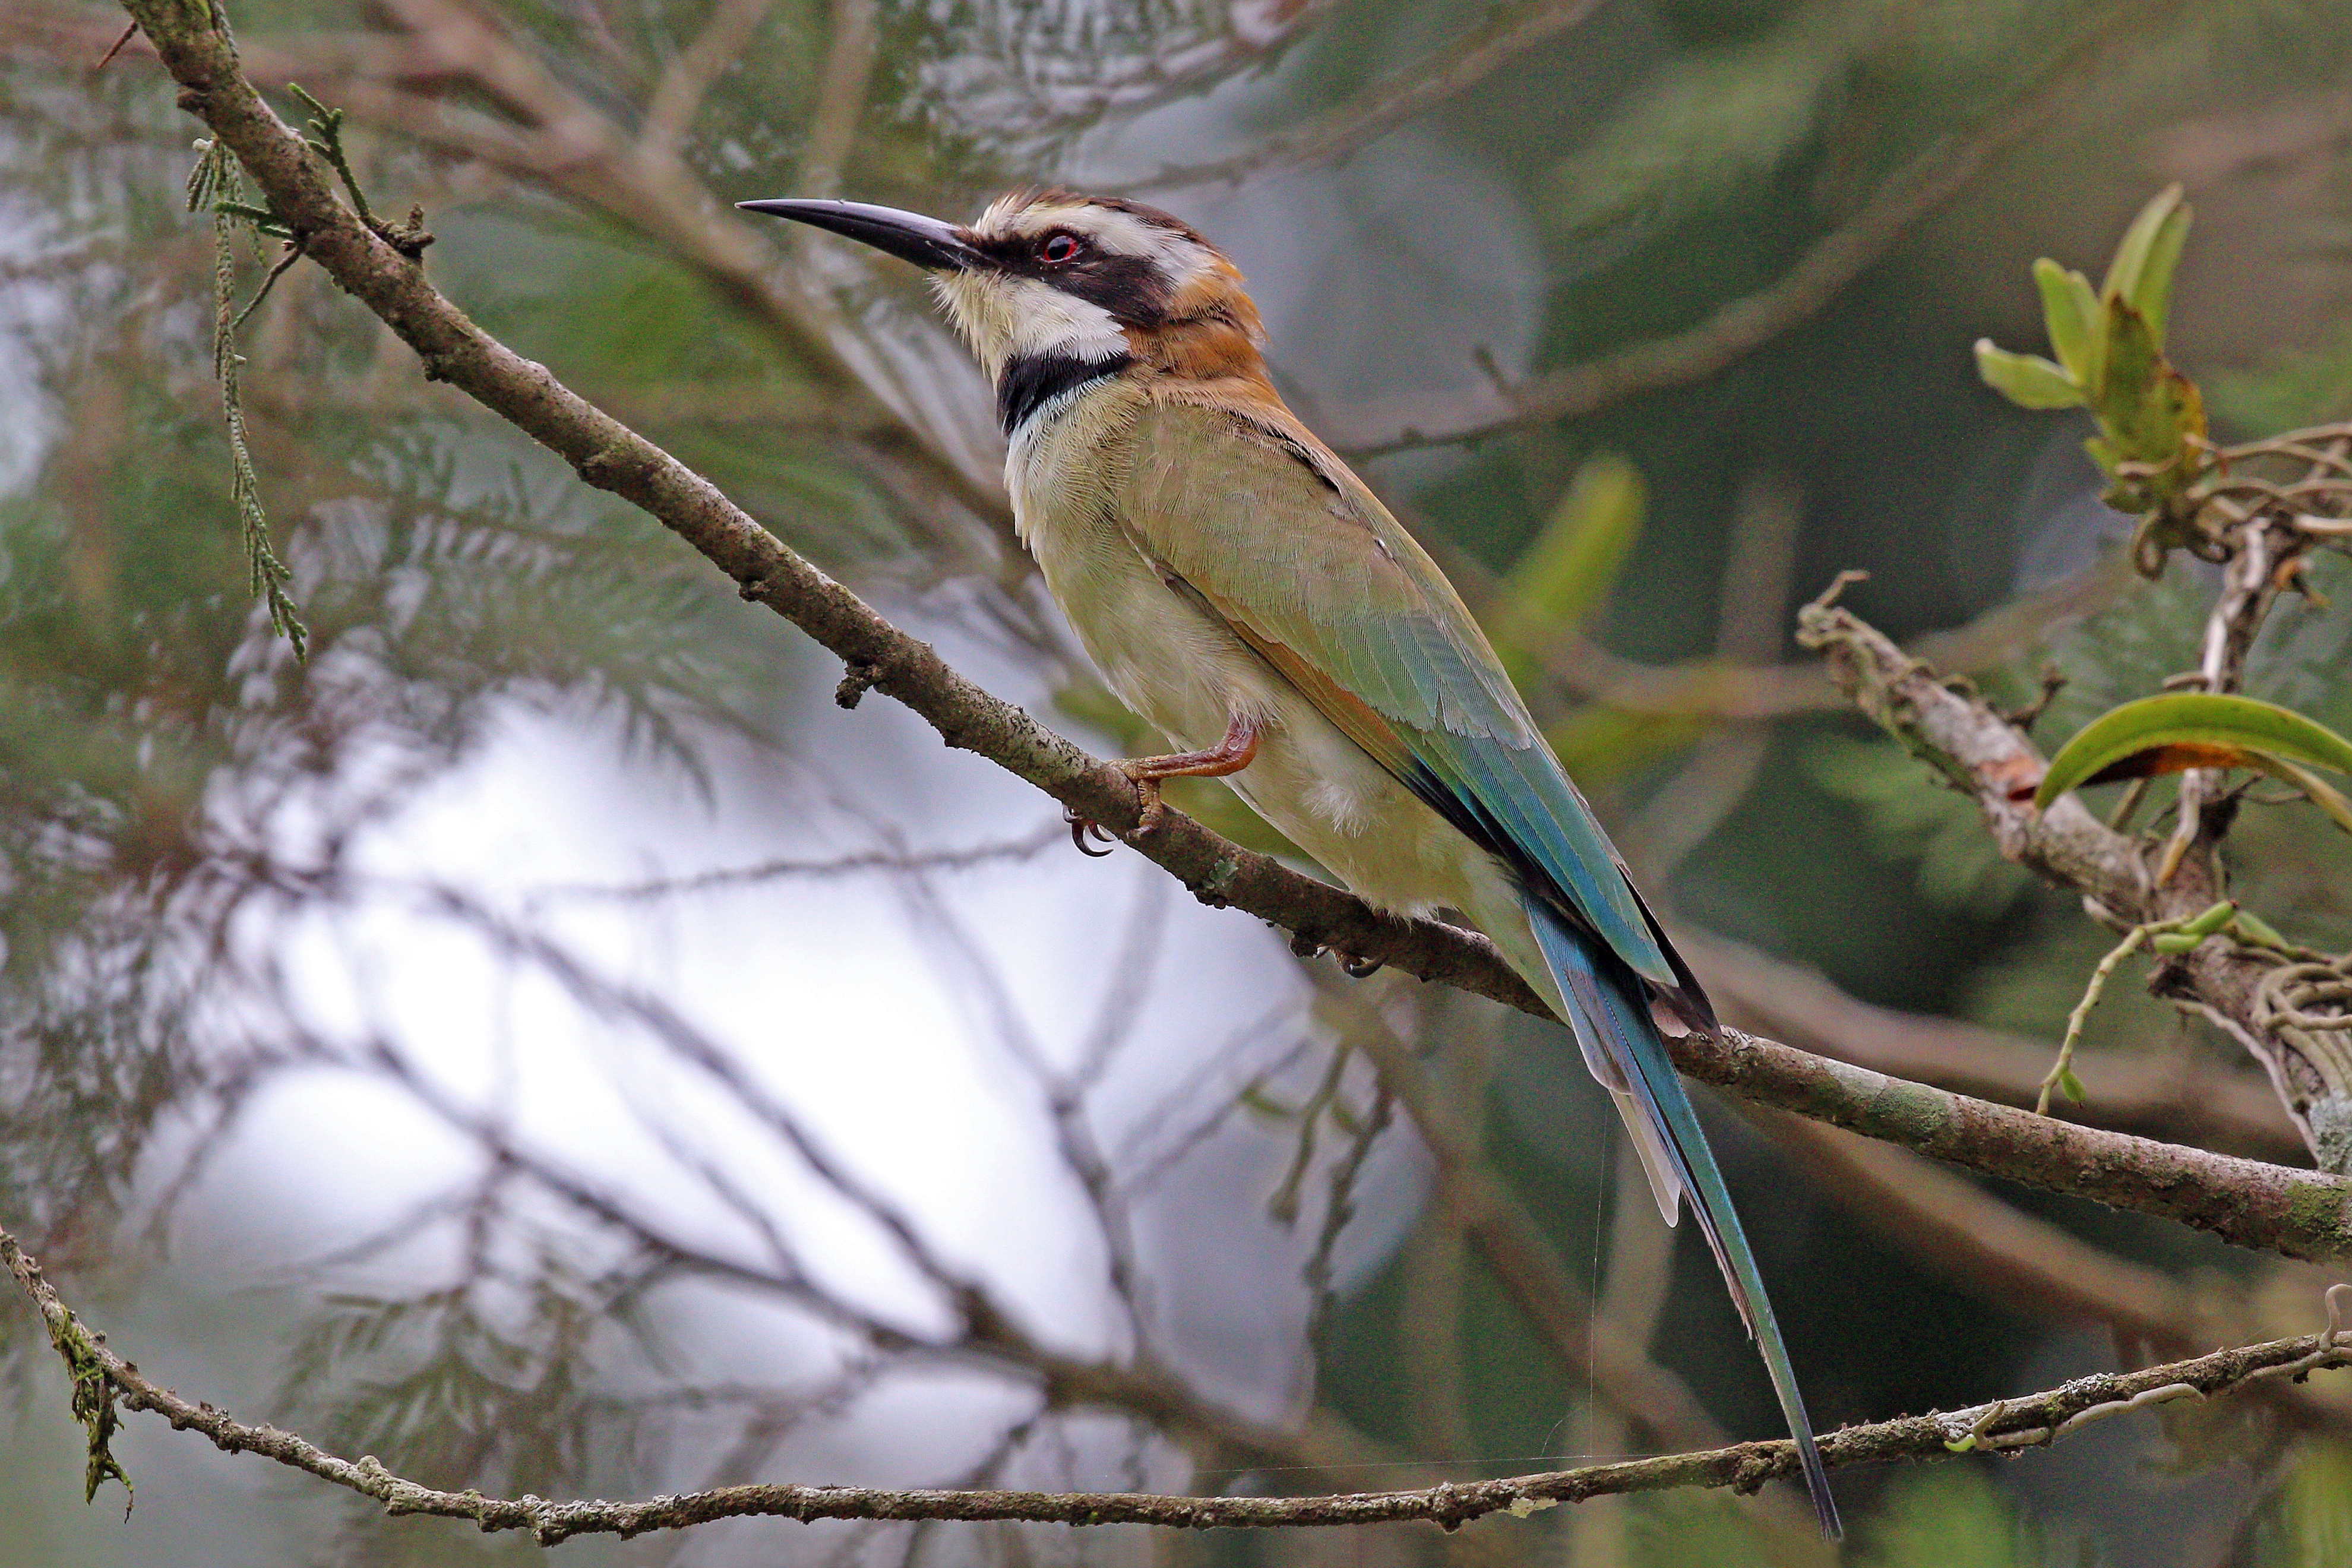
[1188, 674]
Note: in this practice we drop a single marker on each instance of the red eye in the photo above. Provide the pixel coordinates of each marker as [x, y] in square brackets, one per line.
[1059, 249]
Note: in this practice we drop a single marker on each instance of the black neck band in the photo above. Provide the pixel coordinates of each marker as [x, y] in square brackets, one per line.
[1029, 384]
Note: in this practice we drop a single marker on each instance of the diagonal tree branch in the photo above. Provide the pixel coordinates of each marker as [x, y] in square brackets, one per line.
[2298, 1212]
[2031, 1421]
[2164, 1095]
[678, 96]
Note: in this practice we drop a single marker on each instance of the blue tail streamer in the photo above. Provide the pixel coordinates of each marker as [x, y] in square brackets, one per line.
[1612, 1020]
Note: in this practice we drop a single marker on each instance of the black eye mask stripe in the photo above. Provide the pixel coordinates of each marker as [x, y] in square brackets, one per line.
[1129, 288]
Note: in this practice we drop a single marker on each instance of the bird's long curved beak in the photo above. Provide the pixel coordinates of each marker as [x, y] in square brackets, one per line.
[925, 241]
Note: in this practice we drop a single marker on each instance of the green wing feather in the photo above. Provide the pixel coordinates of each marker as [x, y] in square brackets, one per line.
[1344, 590]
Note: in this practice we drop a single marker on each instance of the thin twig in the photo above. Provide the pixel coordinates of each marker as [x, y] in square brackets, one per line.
[1641, 1268]
[2248, 587]
[889, 860]
[2061, 1071]
[841, 88]
[107, 59]
[2034, 1420]
[1523, 1259]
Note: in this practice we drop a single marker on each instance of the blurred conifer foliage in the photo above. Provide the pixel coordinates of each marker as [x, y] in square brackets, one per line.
[535, 1038]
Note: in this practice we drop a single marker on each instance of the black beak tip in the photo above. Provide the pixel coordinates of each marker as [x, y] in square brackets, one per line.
[925, 241]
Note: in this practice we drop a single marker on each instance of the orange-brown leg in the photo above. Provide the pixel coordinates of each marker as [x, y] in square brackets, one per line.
[1229, 755]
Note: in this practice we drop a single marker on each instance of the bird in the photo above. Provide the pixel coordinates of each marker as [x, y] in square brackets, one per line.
[1249, 596]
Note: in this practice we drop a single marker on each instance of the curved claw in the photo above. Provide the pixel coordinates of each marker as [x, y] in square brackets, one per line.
[1081, 830]
[1357, 968]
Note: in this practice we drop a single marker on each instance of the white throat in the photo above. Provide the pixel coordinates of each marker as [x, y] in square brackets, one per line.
[1012, 318]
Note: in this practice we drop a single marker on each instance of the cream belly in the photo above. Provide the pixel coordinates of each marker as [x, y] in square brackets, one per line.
[1188, 675]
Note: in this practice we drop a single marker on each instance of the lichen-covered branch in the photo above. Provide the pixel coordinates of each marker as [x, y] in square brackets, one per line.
[2302, 1213]
[2151, 1095]
[2292, 1212]
[2034, 1420]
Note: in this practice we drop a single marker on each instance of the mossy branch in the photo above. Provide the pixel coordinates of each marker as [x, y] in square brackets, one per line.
[89, 1366]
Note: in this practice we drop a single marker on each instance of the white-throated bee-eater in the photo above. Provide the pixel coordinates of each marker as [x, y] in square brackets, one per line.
[1246, 593]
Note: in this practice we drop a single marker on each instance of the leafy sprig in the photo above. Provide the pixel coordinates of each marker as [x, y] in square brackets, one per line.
[2109, 345]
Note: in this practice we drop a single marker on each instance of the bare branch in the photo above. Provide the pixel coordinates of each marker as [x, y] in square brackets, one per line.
[2031, 1421]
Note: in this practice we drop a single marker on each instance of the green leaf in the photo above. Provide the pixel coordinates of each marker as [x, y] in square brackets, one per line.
[1565, 574]
[2148, 412]
[2215, 917]
[2151, 294]
[1567, 571]
[2253, 733]
[2140, 243]
[1598, 743]
[1954, 1516]
[2190, 933]
[2071, 312]
[2252, 927]
[2314, 1509]
[2027, 380]
[2322, 794]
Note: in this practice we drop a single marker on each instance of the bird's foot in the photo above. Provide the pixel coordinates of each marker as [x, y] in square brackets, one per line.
[1231, 756]
[1146, 791]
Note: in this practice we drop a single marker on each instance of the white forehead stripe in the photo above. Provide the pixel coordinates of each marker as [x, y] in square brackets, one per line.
[1181, 260]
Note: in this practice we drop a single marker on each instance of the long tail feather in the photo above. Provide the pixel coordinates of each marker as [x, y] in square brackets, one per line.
[1613, 1024]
